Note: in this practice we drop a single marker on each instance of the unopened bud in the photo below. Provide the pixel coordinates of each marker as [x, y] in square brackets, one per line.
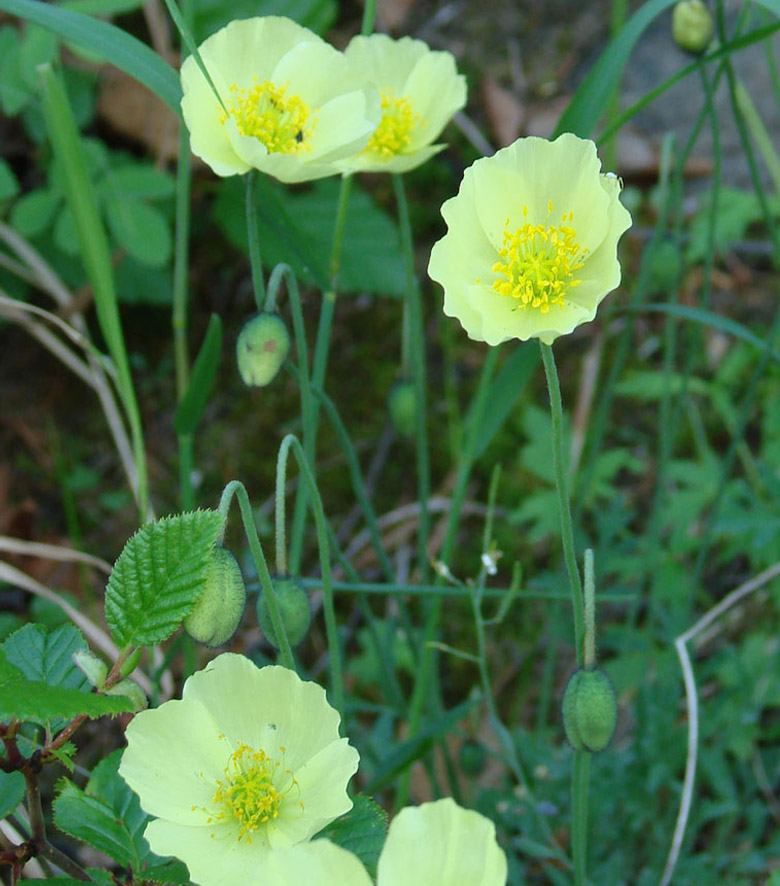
[218, 611]
[589, 710]
[93, 668]
[130, 663]
[402, 404]
[130, 689]
[293, 603]
[692, 26]
[261, 349]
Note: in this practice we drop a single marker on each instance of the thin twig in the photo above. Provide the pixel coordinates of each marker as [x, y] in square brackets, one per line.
[51, 552]
[692, 701]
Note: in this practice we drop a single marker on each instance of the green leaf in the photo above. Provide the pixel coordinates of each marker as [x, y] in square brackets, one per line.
[297, 228]
[11, 792]
[139, 181]
[47, 656]
[202, 380]
[33, 212]
[596, 90]
[159, 576]
[211, 15]
[105, 40]
[407, 752]
[9, 187]
[141, 229]
[362, 831]
[95, 822]
[39, 702]
[503, 394]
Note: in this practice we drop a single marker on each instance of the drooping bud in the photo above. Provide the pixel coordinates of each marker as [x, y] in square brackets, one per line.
[293, 604]
[261, 349]
[402, 404]
[130, 689]
[218, 611]
[93, 668]
[692, 26]
[589, 710]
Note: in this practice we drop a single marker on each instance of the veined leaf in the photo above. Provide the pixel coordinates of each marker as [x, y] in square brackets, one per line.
[362, 831]
[159, 577]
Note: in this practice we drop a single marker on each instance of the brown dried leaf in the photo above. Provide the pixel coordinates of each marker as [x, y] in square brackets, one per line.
[504, 111]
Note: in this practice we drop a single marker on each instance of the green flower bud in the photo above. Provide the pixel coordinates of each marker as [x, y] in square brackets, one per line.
[692, 26]
[294, 606]
[402, 403]
[589, 710]
[218, 611]
[472, 758]
[130, 689]
[93, 668]
[131, 662]
[261, 348]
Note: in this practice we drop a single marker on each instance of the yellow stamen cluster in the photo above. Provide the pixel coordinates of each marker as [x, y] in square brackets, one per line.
[282, 123]
[394, 133]
[250, 792]
[538, 263]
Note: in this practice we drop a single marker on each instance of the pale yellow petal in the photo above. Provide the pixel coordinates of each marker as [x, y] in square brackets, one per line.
[269, 708]
[441, 844]
[213, 857]
[173, 758]
[319, 863]
[381, 60]
[437, 93]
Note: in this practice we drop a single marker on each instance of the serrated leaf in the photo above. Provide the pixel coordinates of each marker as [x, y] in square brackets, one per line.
[47, 655]
[93, 821]
[362, 831]
[11, 792]
[31, 700]
[159, 576]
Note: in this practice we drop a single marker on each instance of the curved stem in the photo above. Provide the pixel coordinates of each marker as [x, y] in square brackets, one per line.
[255, 259]
[237, 489]
[562, 487]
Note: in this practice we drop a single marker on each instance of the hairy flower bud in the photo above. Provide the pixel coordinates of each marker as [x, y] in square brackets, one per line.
[93, 668]
[692, 26]
[589, 710]
[294, 607]
[218, 611]
[402, 403]
[261, 349]
[130, 689]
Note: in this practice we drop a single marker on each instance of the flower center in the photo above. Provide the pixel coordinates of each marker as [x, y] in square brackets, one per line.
[394, 133]
[282, 123]
[251, 791]
[538, 262]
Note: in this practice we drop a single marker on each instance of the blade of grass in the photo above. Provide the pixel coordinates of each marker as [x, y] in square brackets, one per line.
[93, 245]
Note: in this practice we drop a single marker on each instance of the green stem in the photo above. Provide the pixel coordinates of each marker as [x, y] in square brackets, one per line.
[562, 487]
[589, 656]
[321, 348]
[579, 829]
[369, 14]
[180, 265]
[321, 524]
[434, 606]
[253, 237]
[186, 464]
[237, 489]
[417, 360]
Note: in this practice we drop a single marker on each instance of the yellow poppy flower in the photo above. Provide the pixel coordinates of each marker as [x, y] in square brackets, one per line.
[531, 245]
[249, 760]
[436, 844]
[288, 103]
[420, 91]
